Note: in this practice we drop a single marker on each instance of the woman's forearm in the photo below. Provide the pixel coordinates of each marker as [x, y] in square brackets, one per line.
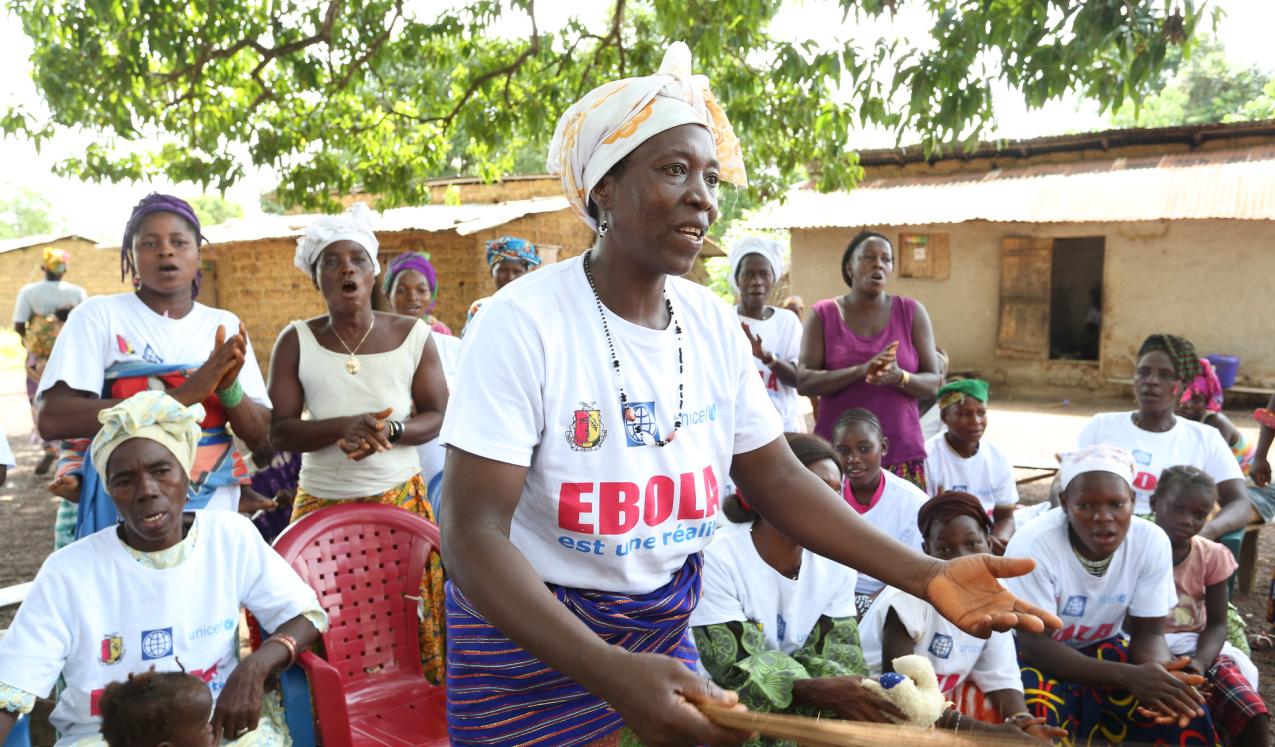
[70, 416]
[1069, 665]
[251, 422]
[1209, 644]
[1237, 510]
[817, 382]
[785, 371]
[421, 428]
[922, 385]
[297, 435]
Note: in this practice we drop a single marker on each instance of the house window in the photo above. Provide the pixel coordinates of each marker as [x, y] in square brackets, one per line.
[1075, 299]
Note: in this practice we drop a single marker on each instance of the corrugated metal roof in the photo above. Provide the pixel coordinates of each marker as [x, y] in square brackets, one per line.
[1236, 184]
[22, 242]
[463, 219]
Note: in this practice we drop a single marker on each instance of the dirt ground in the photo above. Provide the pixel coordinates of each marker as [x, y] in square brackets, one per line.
[1031, 430]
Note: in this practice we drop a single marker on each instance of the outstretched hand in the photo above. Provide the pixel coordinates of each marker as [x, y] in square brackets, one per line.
[966, 592]
[759, 352]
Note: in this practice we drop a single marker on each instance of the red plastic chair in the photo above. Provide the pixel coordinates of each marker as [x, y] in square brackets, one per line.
[365, 562]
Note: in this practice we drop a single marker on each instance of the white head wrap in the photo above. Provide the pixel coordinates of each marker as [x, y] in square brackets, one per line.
[612, 120]
[355, 224]
[772, 250]
[1097, 458]
[150, 414]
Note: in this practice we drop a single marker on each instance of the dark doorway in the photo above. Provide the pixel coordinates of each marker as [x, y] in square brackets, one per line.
[1075, 300]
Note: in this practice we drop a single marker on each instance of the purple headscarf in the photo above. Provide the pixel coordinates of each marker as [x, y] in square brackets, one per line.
[158, 203]
[418, 261]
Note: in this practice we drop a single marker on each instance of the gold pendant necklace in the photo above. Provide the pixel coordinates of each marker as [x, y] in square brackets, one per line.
[352, 363]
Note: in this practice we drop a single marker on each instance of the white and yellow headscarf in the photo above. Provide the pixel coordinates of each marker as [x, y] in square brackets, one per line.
[612, 120]
[150, 414]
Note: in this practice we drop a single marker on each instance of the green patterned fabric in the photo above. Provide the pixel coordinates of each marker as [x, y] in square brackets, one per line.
[1236, 629]
[736, 657]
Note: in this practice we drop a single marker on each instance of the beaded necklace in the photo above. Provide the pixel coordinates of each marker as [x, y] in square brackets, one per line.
[1092, 567]
[629, 415]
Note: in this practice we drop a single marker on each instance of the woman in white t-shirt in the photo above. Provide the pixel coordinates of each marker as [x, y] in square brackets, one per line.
[1158, 439]
[886, 501]
[121, 601]
[756, 264]
[776, 623]
[602, 402]
[1108, 674]
[157, 338]
[981, 676]
[371, 388]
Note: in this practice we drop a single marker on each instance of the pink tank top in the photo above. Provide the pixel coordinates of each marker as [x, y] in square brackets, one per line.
[896, 409]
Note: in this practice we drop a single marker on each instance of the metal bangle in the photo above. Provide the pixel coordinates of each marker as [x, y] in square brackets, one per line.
[289, 643]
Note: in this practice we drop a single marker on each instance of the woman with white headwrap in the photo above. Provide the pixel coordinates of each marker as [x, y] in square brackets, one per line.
[163, 589]
[605, 400]
[373, 388]
[756, 264]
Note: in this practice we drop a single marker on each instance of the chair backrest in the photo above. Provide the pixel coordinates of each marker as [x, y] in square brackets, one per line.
[365, 562]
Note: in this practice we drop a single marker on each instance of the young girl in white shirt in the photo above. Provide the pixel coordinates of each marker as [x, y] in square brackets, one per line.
[1107, 675]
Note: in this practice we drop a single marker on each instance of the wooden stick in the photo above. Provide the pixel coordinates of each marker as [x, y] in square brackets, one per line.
[820, 732]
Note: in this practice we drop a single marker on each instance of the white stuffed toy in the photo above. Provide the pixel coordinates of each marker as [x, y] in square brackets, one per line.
[913, 688]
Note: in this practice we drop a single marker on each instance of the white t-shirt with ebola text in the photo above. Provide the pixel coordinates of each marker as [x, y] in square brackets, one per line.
[781, 335]
[1139, 580]
[603, 507]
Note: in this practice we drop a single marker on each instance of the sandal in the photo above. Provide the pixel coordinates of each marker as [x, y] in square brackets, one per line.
[1265, 417]
[1261, 641]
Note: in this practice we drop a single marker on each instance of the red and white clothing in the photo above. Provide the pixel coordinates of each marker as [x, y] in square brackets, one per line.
[96, 614]
[1138, 582]
[892, 510]
[1208, 563]
[780, 335]
[990, 664]
[739, 586]
[1187, 442]
[988, 475]
[601, 508]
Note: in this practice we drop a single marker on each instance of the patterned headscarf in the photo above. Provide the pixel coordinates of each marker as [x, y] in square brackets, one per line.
[612, 120]
[511, 247]
[955, 392]
[1186, 362]
[158, 203]
[418, 261]
[949, 505]
[149, 414]
[769, 249]
[355, 224]
[1206, 385]
[55, 260]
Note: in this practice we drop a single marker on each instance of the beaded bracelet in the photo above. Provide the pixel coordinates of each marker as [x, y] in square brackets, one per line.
[232, 395]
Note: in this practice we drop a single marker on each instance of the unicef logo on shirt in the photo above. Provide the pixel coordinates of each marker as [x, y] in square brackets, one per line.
[156, 644]
[640, 428]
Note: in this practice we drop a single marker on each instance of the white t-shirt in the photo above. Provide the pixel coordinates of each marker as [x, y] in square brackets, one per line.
[893, 513]
[1186, 443]
[992, 664]
[741, 587]
[988, 475]
[45, 297]
[95, 615]
[780, 335]
[601, 509]
[6, 452]
[105, 330]
[1139, 580]
[432, 453]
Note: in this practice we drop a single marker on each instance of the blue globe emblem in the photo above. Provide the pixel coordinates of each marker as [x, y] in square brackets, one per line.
[156, 644]
[642, 429]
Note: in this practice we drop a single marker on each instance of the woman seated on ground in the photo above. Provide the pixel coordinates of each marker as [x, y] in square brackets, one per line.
[162, 589]
[771, 606]
[961, 459]
[1201, 401]
[887, 501]
[1166, 364]
[411, 286]
[875, 350]
[980, 675]
[159, 337]
[509, 258]
[1108, 674]
[373, 389]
